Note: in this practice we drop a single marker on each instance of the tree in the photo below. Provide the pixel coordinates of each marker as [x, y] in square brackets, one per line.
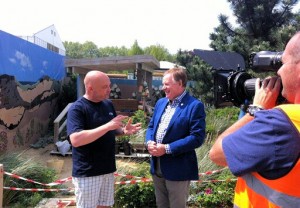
[262, 25]
[259, 18]
[90, 50]
[159, 52]
[113, 51]
[73, 50]
[184, 58]
[135, 49]
[199, 75]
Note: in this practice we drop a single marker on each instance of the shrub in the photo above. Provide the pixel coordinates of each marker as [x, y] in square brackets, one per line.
[139, 116]
[68, 92]
[217, 120]
[216, 192]
[17, 164]
[136, 195]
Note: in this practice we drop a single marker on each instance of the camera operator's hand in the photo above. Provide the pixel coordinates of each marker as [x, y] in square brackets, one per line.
[267, 92]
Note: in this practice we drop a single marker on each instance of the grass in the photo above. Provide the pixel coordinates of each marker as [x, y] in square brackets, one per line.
[16, 163]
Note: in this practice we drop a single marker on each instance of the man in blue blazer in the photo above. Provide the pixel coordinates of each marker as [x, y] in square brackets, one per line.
[175, 130]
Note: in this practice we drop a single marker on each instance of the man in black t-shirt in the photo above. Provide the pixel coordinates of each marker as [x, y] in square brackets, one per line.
[92, 125]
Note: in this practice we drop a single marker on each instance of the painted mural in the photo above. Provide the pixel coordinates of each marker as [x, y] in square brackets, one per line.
[30, 83]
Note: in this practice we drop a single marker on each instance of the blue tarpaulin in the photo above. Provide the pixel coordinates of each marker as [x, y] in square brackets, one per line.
[28, 62]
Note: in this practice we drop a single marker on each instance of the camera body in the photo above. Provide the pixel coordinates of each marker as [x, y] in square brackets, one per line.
[237, 86]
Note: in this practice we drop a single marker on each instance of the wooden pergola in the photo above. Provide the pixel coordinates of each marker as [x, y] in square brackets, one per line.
[142, 65]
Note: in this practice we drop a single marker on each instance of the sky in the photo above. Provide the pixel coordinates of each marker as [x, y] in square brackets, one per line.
[173, 24]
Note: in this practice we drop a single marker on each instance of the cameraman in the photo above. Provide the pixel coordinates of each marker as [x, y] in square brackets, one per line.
[263, 147]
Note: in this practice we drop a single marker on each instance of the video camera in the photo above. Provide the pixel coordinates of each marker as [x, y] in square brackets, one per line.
[232, 84]
[240, 86]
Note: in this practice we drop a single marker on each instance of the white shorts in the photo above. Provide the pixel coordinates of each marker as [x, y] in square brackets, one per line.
[94, 191]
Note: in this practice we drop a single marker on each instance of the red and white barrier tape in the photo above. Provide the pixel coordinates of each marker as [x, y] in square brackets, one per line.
[43, 184]
[200, 174]
[116, 183]
[65, 203]
[144, 180]
[126, 176]
[61, 181]
[36, 189]
[212, 172]
[214, 180]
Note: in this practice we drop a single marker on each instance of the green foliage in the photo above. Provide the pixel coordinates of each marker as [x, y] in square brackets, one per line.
[229, 113]
[139, 116]
[136, 195]
[217, 120]
[260, 17]
[123, 138]
[184, 58]
[262, 25]
[113, 51]
[68, 93]
[17, 164]
[73, 50]
[208, 193]
[90, 50]
[200, 76]
[135, 49]
[34, 199]
[159, 52]
[213, 194]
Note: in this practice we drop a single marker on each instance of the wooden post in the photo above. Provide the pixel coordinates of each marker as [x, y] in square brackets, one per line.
[1, 184]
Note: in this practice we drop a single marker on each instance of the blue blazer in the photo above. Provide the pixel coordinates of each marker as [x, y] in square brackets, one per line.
[185, 133]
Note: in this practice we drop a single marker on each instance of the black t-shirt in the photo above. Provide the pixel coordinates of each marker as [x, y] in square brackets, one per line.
[98, 157]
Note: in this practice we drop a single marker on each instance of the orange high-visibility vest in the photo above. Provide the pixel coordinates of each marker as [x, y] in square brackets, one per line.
[254, 191]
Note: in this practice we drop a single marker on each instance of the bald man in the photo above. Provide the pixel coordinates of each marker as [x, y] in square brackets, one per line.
[92, 125]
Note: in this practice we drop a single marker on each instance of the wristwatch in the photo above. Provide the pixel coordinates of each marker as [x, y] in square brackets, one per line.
[252, 109]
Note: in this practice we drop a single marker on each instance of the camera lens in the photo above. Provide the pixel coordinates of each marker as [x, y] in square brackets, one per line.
[242, 88]
[267, 61]
[238, 91]
[249, 87]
